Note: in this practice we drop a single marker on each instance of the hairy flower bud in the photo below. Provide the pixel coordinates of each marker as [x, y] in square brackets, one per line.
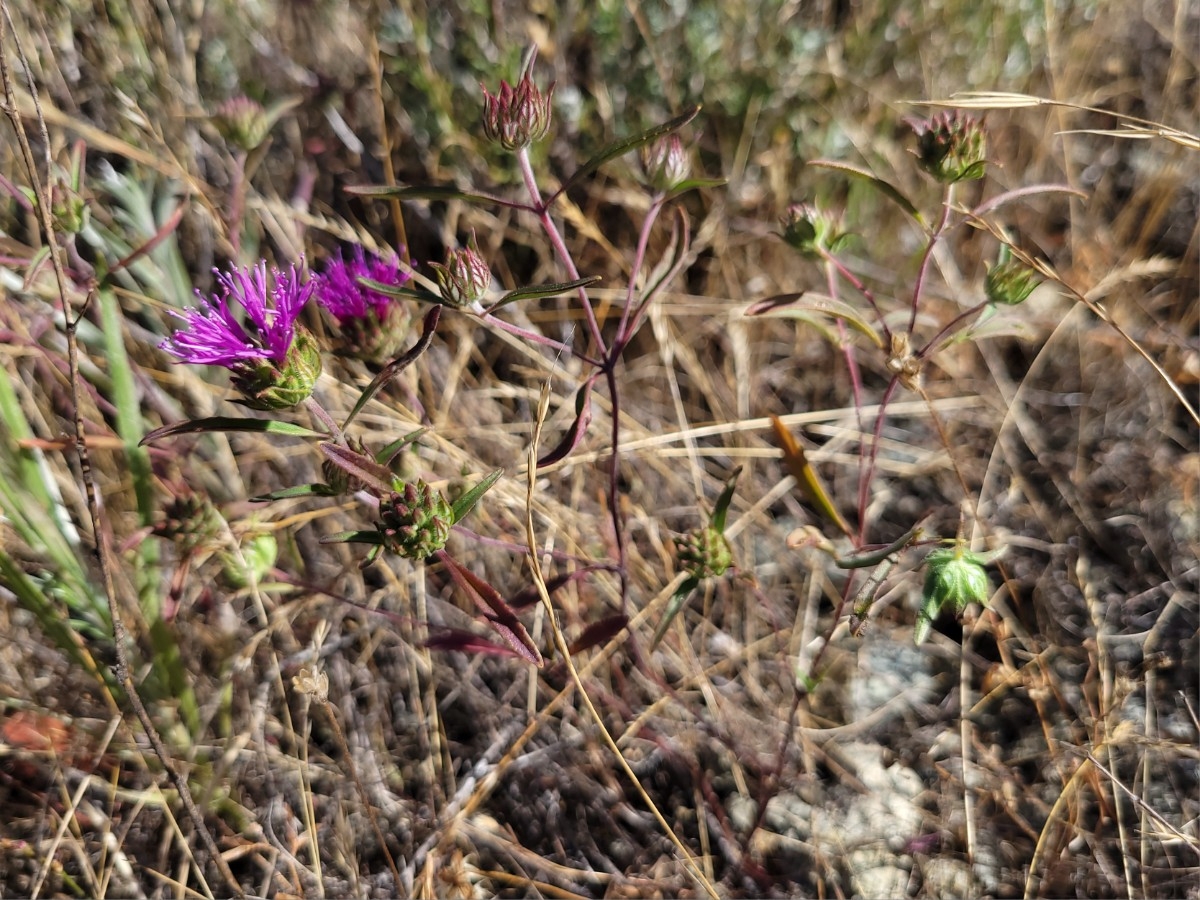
[665, 163]
[812, 231]
[704, 553]
[515, 117]
[951, 146]
[266, 386]
[954, 577]
[415, 522]
[1009, 281]
[191, 521]
[257, 552]
[243, 122]
[465, 277]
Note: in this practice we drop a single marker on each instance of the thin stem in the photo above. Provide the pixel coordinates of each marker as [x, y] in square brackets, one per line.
[949, 328]
[322, 415]
[639, 260]
[862, 289]
[919, 284]
[614, 474]
[868, 472]
[534, 338]
[560, 246]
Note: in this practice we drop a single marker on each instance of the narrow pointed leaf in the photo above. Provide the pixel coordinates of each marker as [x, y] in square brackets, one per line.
[806, 476]
[579, 426]
[1032, 190]
[354, 537]
[621, 147]
[467, 501]
[397, 365]
[721, 507]
[599, 633]
[385, 456]
[889, 190]
[530, 595]
[465, 642]
[493, 607]
[300, 490]
[541, 290]
[693, 184]
[807, 304]
[428, 192]
[399, 291]
[228, 423]
[674, 605]
[360, 466]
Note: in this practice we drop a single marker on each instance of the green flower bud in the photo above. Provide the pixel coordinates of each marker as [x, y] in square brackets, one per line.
[415, 522]
[704, 553]
[243, 122]
[465, 277]
[258, 552]
[1009, 281]
[263, 386]
[812, 231]
[951, 146]
[191, 521]
[954, 577]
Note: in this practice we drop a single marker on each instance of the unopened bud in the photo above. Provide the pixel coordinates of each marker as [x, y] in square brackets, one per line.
[465, 277]
[415, 522]
[951, 146]
[515, 117]
[812, 231]
[665, 163]
[704, 553]
[1009, 281]
[954, 578]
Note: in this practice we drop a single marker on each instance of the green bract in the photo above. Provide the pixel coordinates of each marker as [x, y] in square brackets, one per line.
[954, 577]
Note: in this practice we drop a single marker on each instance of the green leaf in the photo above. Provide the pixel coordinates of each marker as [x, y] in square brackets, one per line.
[400, 292]
[806, 305]
[428, 192]
[467, 501]
[360, 466]
[354, 537]
[388, 453]
[889, 190]
[300, 490]
[674, 605]
[541, 290]
[228, 423]
[620, 148]
[693, 184]
[721, 508]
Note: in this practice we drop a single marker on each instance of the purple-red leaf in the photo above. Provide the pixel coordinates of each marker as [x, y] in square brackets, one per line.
[579, 427]
[600, 633]
[493, 607]
[465, 642]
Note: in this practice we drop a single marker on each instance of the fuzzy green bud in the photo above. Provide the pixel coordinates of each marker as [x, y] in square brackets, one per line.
[812, 231]
[951, 146]
[243, 122]
[465, 277]
[1009, 281]
[191, 521]
[954, 578]
[415, 522]
[257, 552]
[264, 386]
[704, 553]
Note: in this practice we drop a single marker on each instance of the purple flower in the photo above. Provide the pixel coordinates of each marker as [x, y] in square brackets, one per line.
[339, 292]
[213, 336]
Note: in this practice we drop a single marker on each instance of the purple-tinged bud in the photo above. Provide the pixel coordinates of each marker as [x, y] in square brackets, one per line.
[951, 146]
[665, 163]
[465, 277]
[243, 122]
[515, 117]
[415, 522]
[704, 553]
[266, 386]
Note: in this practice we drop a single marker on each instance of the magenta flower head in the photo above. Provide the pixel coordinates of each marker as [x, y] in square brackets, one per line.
[373, 325]
[274, 362]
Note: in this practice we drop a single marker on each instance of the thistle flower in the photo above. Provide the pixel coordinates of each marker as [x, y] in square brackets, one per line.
[951, 146]
[465, 277]
[415, 522]
[665, 163]
[372, 324]
[274, 362]
[515, 117]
